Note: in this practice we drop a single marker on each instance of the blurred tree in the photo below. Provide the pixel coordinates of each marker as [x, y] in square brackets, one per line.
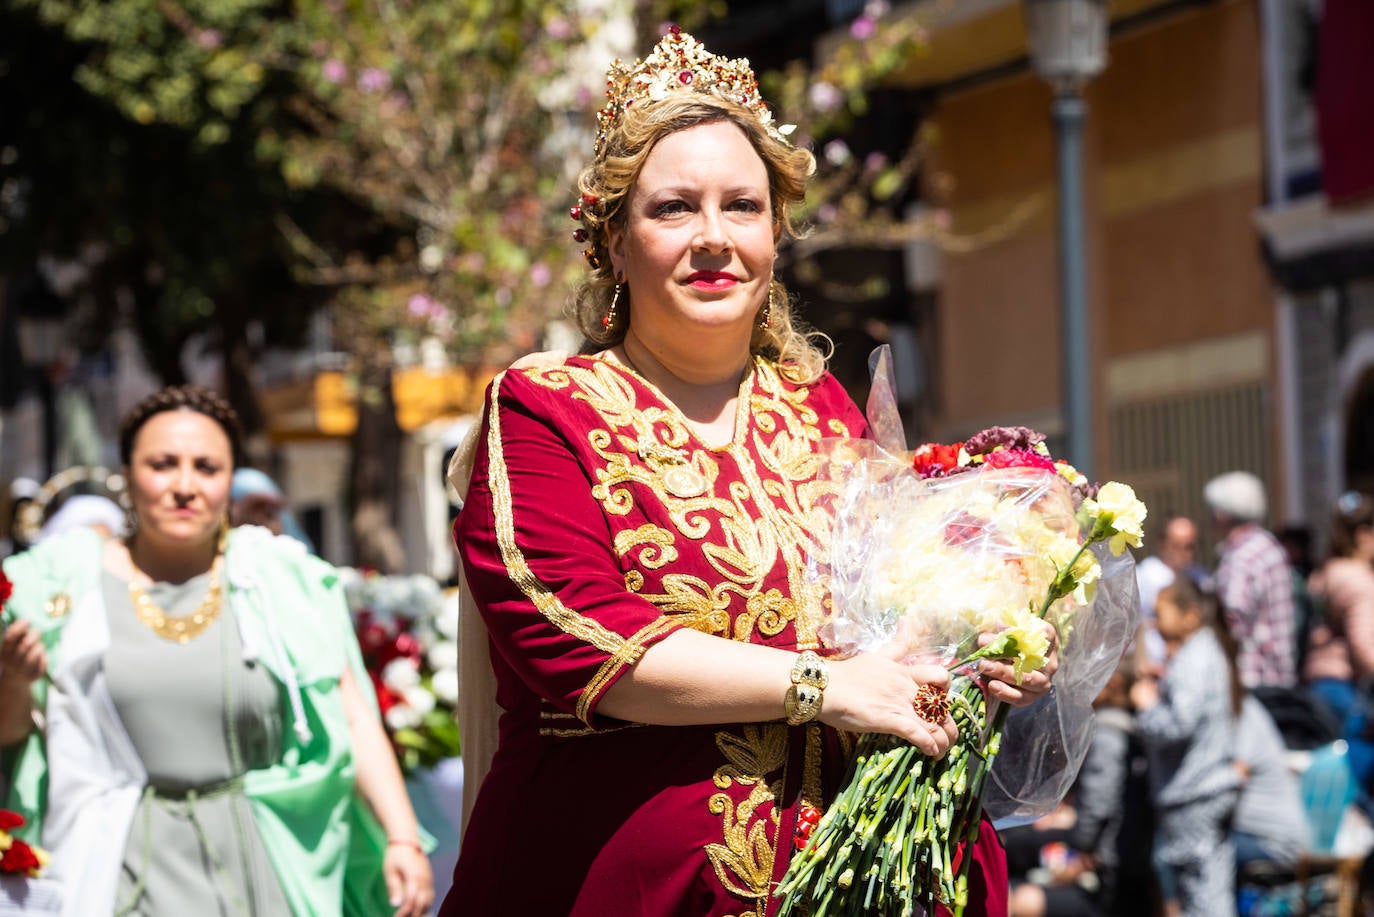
[232, 129]
[175, 234]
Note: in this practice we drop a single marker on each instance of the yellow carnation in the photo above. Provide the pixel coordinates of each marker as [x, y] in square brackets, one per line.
[1117, 510]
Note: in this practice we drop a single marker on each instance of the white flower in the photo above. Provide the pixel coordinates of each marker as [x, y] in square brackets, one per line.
[442, 655]
[446, 621]
[426, 598]
[419, 699]
[402, 716]
[445, 685]
[401, 674]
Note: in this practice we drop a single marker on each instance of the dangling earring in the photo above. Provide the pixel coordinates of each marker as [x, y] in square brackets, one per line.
[608, 322]
[126, 503]
[766, 314]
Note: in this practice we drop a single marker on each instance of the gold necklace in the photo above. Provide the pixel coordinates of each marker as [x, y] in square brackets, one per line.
[180, 628]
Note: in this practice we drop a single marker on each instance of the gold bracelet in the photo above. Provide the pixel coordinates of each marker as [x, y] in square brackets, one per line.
[810, 669]
[804, 699]
[405, 842]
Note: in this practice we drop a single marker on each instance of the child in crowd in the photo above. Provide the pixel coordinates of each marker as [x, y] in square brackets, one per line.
[1186, 720]
[1098, 865]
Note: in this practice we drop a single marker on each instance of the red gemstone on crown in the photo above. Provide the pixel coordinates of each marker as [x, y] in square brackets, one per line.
[685, 77]
[579, 235]
[575, 211]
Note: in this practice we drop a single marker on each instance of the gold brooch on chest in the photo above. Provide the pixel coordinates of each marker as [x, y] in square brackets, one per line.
[673, 467]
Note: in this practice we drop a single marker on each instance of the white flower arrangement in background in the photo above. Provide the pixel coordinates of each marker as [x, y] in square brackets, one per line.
[407, 629]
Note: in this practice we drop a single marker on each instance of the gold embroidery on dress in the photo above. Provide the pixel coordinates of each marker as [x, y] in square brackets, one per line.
[518, 569]
[767, 522]
[744, 862]
[656, 543]
[771, 515]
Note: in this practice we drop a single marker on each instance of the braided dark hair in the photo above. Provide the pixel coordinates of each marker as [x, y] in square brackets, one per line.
[181, 398]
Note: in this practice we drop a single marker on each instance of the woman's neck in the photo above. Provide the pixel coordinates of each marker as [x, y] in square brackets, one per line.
[170, 563]
[698, 368]
[704, 386]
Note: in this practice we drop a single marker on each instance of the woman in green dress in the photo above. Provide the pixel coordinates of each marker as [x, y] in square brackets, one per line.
[186, 719]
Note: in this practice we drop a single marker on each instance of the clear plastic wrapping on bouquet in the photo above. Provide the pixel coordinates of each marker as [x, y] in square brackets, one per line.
[928, 564]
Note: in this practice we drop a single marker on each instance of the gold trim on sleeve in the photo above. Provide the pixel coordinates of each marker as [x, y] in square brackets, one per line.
[517, 568]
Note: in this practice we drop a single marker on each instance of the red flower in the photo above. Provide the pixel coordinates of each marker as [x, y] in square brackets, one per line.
[19, 858]
[1018, 458]
[385, 698]
[407, 645]
[373, 638]
[934, 459]
[6, 588]
[10, 820]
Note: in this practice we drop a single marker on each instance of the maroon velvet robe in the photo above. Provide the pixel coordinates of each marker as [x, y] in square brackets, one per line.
[597, 524]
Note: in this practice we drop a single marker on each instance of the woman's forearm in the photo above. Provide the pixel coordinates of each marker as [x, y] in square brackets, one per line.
[689, 678]
[16, 709]
[378, 777]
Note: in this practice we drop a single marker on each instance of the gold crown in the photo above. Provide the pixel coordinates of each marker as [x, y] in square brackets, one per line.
[680, 63]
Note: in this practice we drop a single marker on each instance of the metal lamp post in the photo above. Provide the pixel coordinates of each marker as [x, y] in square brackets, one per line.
[1068, 45]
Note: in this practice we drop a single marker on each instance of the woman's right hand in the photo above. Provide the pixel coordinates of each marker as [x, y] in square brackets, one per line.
[874, 693]
[22, 656]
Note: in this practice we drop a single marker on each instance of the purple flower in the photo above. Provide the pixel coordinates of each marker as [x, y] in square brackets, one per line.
[984, 441]
[334, 70]
[560, 28]
[420, 306]
[863, 27]
[374, 79]
[874, 162]
[209, 39]
[825, 98]
[540, 275]
[837, 152]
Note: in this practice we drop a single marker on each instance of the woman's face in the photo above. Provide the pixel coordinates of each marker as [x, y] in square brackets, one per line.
[696, 244]
[179, 474]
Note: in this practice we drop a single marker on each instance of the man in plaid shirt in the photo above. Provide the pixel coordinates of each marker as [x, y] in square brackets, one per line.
[1253, 582]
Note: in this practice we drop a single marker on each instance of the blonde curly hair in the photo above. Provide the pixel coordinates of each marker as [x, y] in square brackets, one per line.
[606, 182]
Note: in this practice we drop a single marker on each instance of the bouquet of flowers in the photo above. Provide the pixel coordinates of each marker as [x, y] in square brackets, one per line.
[957, 553]
[407, 630]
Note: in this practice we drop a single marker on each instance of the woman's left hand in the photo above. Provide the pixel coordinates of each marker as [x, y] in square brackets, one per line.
[1001, 676]
[409, 881]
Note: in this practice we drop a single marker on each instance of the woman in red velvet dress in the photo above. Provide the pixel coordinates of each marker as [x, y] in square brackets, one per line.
[636, 535]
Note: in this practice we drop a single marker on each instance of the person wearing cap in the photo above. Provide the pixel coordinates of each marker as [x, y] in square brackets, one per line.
[1253, 582]
[255, 499]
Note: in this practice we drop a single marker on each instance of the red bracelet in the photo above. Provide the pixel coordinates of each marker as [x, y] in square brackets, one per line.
[403, 842]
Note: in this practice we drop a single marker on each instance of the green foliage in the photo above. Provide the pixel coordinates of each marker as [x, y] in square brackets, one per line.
[178, 62]
[410, 161]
